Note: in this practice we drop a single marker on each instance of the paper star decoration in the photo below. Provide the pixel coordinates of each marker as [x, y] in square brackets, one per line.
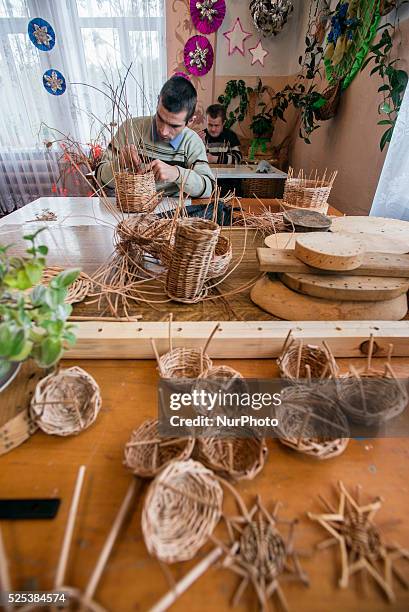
[236, 37]
[258, 54]
[351, 526]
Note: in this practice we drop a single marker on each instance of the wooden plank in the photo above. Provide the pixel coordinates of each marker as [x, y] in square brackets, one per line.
[382, 244]
[235, 339]
[373, 264]
[327, 251]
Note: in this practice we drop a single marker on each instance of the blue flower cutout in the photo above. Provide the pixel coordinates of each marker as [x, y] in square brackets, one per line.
[41, 34]
[54, 82]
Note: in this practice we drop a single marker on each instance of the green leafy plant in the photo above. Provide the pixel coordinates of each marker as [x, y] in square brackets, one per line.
[394, 81]
[262, 124]
[235, 89]
[33, 317]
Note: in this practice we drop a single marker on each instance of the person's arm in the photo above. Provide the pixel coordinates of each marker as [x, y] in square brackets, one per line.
[197, 179]
[121, 152]
[233, 154]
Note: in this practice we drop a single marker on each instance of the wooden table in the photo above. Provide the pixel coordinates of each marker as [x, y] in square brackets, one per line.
[244, 171]
[47, 466]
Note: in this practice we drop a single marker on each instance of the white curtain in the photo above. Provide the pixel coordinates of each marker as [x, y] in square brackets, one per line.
[96, 42]
[392, 195]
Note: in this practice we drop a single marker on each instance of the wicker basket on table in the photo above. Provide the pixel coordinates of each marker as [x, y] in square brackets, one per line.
[262, 188]
[221, 259]
[135, 193]
[311, 422]
[234, 457]
[183, 363]
[145, 232]
[311, 193]
[195, 244]
[299, 360]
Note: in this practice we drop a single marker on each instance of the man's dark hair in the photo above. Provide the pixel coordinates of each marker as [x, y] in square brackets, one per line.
[179, 94]
[216, 110]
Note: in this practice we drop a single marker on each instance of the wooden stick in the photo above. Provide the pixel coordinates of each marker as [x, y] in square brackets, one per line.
[183, 584]
[110, 319]
[62, 562]
[210, 337]
[170, 331]
[5, 582]
[109, 543]
[300, 346]
[155, 351]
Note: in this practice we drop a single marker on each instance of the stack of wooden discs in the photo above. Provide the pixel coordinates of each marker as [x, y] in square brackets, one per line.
[332, 276]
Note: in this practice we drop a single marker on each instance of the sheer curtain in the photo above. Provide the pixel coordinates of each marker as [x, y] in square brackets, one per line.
[96, 42]
[392, 195]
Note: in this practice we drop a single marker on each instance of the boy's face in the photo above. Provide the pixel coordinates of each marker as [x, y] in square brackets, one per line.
[214, 126]
[169, 125]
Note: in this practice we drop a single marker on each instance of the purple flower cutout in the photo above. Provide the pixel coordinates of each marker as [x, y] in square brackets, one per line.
[198, 54]
[207, 15]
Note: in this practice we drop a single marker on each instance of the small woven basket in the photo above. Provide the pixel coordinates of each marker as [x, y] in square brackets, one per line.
[135, 192]
[312, 423]
[146, 454]
[145, 232]
[195, 244]
[236, 458]
[332, 94]
[184, 363]
[299, 360]
[182, 507]
[65, 402]
[300, 192]
[221, 259]
[77, 292]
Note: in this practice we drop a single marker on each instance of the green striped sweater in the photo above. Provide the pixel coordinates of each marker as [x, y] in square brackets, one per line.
[189, 155]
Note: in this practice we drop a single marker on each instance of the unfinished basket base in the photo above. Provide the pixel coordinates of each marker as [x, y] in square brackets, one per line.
[277, 299]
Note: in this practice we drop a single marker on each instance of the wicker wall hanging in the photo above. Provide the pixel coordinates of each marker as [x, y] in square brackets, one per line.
[182, 507]
[311, 422]
[65, 402]
[135, 192]
[299, 360]
[237, 458]
[146, 454]
[351, 526]
[371, 396]
[312, 192]
[270, 16]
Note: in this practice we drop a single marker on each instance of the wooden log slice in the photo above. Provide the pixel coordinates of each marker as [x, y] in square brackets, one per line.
[382, 244]
[304, 220]
[329, 251]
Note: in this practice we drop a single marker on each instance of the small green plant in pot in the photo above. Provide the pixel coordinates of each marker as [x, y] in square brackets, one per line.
[33, 317]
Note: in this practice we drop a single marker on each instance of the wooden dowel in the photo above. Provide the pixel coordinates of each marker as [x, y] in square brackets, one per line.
[109, 543]
[108, 319]
[210, 337]
[170, 331]
[69, 530]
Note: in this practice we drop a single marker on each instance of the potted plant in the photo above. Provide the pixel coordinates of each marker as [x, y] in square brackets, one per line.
[33, 317]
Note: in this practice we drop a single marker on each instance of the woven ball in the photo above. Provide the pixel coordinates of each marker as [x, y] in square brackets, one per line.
[238, 458]
[324, 434]
[182, 507]
[65, 402]
[184, 363]
[146, 454]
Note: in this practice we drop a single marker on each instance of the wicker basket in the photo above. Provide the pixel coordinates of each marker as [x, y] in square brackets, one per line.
[184, 363]
[77, 291]
[195, 244]
[299, 360]
[302, 192]
[236, 458]
[145, 232]
[146, 454]
[182, 507]
[333, 97]
[311, 422]
[135, 192]
[262, 188]
[221, 259]
[65, 402]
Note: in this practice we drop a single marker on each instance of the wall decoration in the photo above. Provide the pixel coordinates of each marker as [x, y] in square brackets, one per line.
[54, 82]
[41, 34]
[236, 37]
[270, 16]
[353, 26]
[207, 15]
[258, 53]
[198, 55]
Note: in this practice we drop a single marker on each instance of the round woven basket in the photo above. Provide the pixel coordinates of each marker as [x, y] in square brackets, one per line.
[146, 454]
[195, 244]
[304, 193]
[77, 292]
[135, 192]
[182, 507]
[184, 363]
[65, 402]
[221, 259]
[236, 458]
[371, 399]
[312, 423]
[306, 361]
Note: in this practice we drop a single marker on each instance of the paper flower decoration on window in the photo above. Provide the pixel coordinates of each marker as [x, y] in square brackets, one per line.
[41, 34]
[198, 54]
[54, 82]
[270, 16]
[207, 15]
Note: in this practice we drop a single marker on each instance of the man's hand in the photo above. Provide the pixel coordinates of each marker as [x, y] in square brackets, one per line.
[129, 158]
[163, 172]
[212, 159]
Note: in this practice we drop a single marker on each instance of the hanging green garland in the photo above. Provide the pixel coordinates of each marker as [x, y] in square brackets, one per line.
[353, 27]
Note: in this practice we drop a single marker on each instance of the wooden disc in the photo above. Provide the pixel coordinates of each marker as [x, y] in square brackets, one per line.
[280, 301]
[394, 229]
[382, 244]
[343, 287]
[307, 219]
[329, 251]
